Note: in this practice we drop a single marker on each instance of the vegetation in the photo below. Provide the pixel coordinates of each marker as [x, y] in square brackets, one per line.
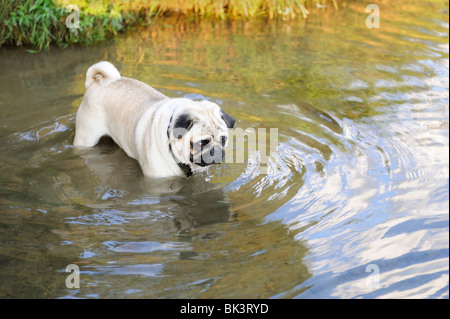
[40, 23]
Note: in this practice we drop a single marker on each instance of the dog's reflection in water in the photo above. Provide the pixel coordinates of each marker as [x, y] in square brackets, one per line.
[190, 202]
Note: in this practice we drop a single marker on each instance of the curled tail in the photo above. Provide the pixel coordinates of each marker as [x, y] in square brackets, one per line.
[102, 73]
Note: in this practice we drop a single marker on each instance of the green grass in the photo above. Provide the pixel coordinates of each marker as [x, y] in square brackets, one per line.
[38, 24]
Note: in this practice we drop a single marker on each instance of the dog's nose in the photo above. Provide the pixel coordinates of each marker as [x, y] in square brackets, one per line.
[211, 152]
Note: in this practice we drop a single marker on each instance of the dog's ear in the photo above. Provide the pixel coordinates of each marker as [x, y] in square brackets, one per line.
[182, 125]
[228, 119]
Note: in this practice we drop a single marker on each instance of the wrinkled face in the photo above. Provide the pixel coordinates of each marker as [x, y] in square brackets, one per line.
[198, 133]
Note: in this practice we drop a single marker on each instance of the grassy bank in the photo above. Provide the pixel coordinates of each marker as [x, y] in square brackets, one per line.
[40, 23]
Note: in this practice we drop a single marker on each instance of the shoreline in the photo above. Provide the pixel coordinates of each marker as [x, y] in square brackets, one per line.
[36, 25]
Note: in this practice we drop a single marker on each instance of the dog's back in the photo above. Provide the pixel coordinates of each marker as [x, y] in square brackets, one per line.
[112, 105]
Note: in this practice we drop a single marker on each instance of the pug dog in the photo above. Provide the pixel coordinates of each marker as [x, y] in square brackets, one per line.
[167, 136]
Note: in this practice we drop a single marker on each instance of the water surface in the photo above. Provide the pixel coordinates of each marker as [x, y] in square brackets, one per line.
[354, 204]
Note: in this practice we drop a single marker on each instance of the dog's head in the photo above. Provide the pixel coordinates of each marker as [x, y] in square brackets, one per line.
[198, 134]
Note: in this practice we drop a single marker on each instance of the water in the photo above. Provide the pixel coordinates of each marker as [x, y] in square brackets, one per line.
[355, 204]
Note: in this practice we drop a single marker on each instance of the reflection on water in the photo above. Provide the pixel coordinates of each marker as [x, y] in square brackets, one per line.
[353, 206]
